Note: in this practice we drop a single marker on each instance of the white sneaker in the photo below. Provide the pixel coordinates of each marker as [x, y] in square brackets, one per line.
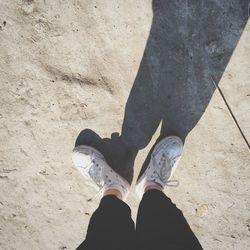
[164, 160]
[92, 164]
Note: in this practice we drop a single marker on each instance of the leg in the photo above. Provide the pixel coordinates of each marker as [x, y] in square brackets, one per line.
[160, 223]
[110, 227]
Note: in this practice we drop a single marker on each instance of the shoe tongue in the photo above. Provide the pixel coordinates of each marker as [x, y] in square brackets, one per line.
[165, 171]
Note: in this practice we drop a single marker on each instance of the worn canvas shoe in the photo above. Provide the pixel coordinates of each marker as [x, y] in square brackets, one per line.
[164, 160]
[93, 166]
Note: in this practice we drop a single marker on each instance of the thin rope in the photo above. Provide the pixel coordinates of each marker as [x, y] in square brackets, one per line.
[231, 113]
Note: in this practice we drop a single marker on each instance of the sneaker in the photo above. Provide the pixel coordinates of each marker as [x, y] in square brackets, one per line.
[93, 166]
[164, 160]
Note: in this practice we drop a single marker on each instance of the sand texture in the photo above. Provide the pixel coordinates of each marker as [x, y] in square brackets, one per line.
[118, 75]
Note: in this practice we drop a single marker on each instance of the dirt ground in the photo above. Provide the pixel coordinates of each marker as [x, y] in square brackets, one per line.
[112, 67]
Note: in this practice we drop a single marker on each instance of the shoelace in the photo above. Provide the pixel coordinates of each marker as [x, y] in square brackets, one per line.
[176, 183]
[169, 183]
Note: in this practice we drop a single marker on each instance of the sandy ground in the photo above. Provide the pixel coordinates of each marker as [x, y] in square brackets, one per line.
[70, 65]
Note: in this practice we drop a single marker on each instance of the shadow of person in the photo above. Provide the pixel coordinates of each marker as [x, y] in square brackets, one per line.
[189, 46]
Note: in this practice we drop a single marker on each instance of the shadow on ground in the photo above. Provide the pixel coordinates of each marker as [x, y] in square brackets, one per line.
[190, 43]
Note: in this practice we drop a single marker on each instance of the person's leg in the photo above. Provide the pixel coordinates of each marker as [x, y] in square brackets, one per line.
[160, 224]
[111, 226]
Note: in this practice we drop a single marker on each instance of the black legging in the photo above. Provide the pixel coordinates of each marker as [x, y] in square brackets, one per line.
[160, 225]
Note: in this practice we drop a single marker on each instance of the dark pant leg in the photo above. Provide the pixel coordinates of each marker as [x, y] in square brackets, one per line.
[161, 225]
[110, 227]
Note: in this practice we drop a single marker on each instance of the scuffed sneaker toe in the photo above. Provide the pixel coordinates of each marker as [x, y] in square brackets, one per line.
[92, 165]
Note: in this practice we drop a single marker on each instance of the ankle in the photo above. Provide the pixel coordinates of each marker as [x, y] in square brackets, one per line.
[114, 192]
[153, 186]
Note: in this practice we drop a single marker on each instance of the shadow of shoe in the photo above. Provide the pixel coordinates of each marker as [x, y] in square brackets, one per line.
[117, 153]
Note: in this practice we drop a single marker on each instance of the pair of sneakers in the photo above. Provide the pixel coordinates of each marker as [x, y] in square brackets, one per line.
[164, 160]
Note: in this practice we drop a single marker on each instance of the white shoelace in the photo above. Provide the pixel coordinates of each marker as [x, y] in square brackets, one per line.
[175, 183]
